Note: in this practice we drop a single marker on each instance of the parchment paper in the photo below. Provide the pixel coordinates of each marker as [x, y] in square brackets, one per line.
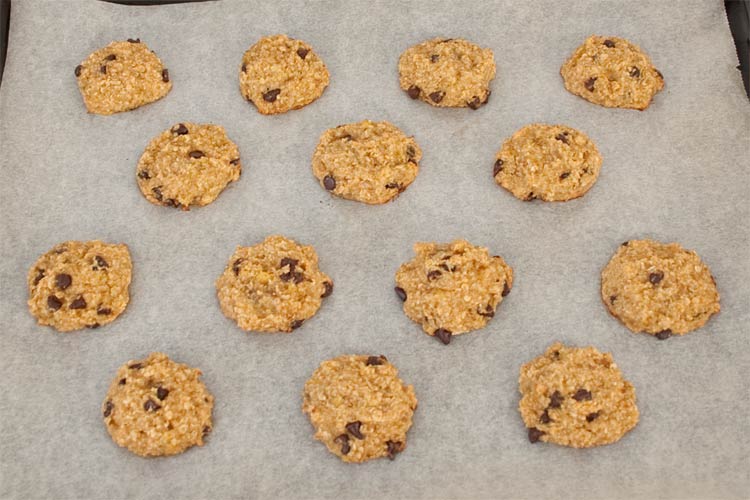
[676, 172]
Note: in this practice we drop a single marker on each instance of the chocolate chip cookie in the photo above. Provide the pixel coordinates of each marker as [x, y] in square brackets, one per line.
[189, 164]
[612, 72]
[273, 286]
[122, 76]
[359, 407]
[659, 288]
[371, 162]
[80, 284]
[279, 73]
[452, 288]
[547, 162]
[447, 73]
[576, 397]
[157, 407]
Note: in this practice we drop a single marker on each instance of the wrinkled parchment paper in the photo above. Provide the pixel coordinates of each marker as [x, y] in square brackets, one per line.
[676, 172]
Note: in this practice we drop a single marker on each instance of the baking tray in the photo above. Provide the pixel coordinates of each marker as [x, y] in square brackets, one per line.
[678, 172]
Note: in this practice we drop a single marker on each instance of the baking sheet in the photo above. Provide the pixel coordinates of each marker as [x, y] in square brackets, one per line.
[676, 172]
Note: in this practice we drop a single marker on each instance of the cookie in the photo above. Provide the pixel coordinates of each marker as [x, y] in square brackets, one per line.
[273, 286]
[120, 77]
[447, 73]
[156, 407]
[371, 162]
[576, 397]
[547, 162]
[80, 284]
[189, 164]
[359, 407]
[659, 288]
[452, 288]
[279, 73]
[612, 72]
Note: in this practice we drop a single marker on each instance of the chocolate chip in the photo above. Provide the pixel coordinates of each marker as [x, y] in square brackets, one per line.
[659, 73]
[487, 313]
[103, 69]
[151, 405]
[235, 162]
[110, 57]
[302, 52]
[609, 43]
[329, 183]
[592, 416]
[448, 267]
[144, 175]
[78, 70]
[535, 434]
[296, 323]
[445, 40]
[475, 103]
[635, 72]
[589, 84]
[108, 409]
[624, 243]
[564, 175]
[664, 334]
[393, 185]
[436, 97]
[498, 167]
[582, 395]
[656, 277]
[563, 138]
[134, 40]
[414, 91]
[443, 335]
[343, 440]
[100, 261]
[411, 152]
[206, 430]
[345, 137]
[506, 290]
[136, 366]
[401, 293]
[236, 266]
[434, 58]
[375, 360]
[196, 154]
[165, 75]
[162, 393]
[612, 299]
[556, 398]
[434, 274]
[78, 303]
[39, 276]
[180, 129]
[393, 448]
[104, 311]
[288, 261]
[544, 417]
[123, 381]
[157, 193]
[328, 289]
[295, 276]
[353, 429]
[530, 197]
[54, 303]
[63, 281]
[93, 326]
[271, 95]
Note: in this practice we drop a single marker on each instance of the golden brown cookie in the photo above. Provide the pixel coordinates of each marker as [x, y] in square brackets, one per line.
[157, 407]
[452, 288]
[80, 284]
[447, 73]
[120, 77]
[547, 162]
[359, 407]
[279, 73]
[189, 164]
[576, 397]
[612, 72]
[273, 286]
[658, 288]
[371, 162]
